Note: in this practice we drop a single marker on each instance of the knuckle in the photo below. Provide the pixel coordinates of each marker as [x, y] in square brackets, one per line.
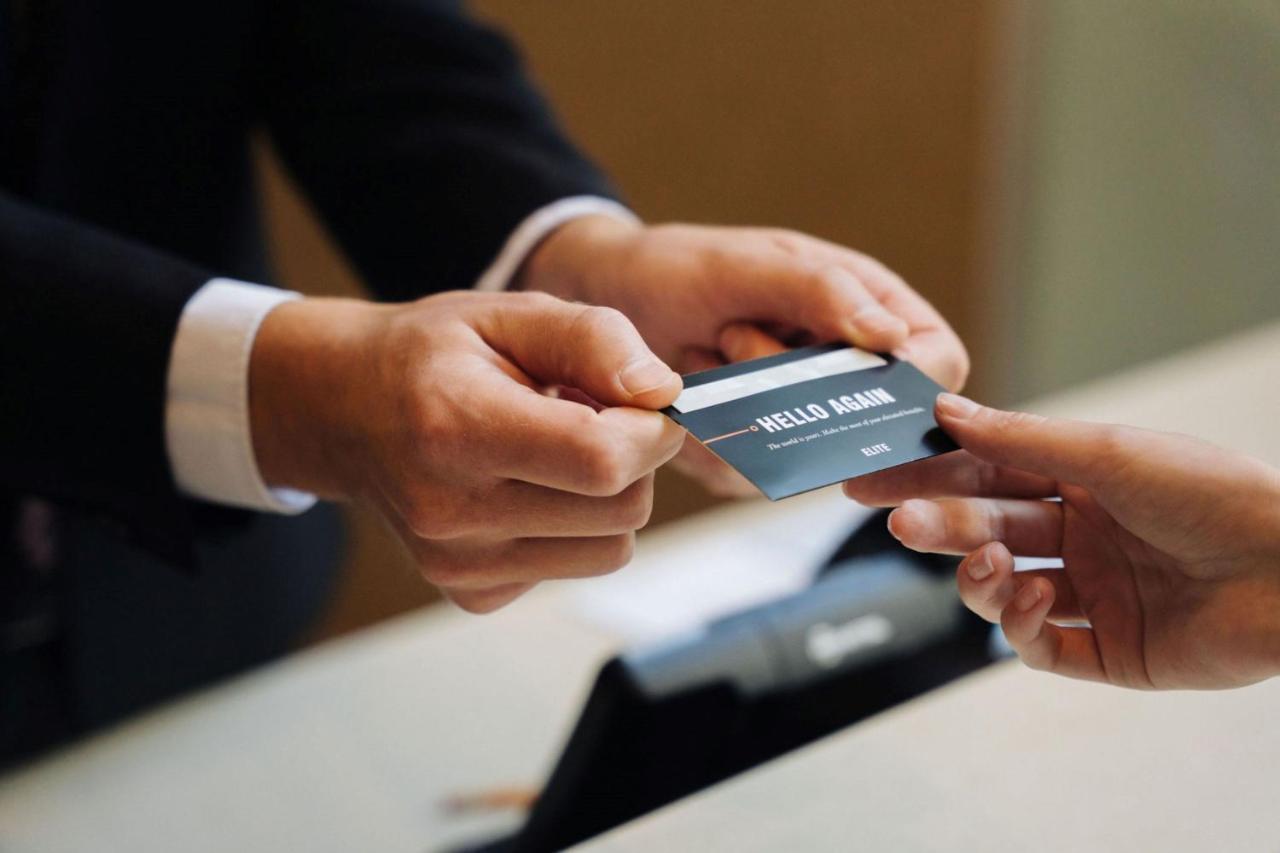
[1038, 654]
[835, 278]
[539, 301]
[835, 292]
[637, 504]
[954, 519]
[420, 521]
[443, 571]
[437, 520]
[596, 330]
[973, 602]
[581, 428]
[984, 478]
[961, 366]
[673, 441]
[406, 331]
[597, 323]
[1111, 441]
[995, 602]
[437, 421]
[479, 603]
[603, 319]
[1112, 453]
[427, 423]
[469, 604]
[1018, 421]
[963, 522]
[788, 241]
[990, 523]
[834, 287]
[617, 551]
[604, 467]
[1033, 661]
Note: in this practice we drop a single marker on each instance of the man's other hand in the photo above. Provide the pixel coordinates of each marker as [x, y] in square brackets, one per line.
[703, 296]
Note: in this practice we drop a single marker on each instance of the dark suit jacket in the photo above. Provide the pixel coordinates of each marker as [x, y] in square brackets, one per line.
[125, 184]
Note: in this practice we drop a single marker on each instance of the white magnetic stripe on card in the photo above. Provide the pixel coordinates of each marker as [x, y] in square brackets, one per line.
[780, 376]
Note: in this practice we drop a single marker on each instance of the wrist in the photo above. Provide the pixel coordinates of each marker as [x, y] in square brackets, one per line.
[580, 260]
[301, 412]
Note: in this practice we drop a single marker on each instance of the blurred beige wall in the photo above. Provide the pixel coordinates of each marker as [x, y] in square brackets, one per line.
[860, 122]
[1149, 217]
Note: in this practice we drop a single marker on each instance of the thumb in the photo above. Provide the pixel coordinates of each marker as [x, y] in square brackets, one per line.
[595, 350]
[1073, 451]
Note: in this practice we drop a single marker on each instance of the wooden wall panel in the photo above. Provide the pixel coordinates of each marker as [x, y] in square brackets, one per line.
[857, 121]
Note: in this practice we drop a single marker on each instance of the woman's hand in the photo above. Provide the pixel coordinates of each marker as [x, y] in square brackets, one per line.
[1171, 546]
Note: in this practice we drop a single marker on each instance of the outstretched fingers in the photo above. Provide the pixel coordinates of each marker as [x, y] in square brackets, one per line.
[1029, 528]
[988, 584]
[1027, 605]
[1042, 645]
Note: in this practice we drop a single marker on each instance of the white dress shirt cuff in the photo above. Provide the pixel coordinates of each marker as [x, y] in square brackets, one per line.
[207, 430]
[536, 227]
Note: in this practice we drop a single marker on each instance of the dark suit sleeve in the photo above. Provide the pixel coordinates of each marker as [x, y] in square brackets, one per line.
[416, 133]
[87, 320]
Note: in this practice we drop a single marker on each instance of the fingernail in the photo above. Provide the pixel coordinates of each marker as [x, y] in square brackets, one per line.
[980, 567]
[644, 375]
[955, 406]
[892, 521]
[1028, 597]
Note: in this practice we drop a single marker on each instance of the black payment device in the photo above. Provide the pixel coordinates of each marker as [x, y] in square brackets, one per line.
[880, 625]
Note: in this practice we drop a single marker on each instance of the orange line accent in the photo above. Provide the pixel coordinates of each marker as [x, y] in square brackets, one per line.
[728, 435]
